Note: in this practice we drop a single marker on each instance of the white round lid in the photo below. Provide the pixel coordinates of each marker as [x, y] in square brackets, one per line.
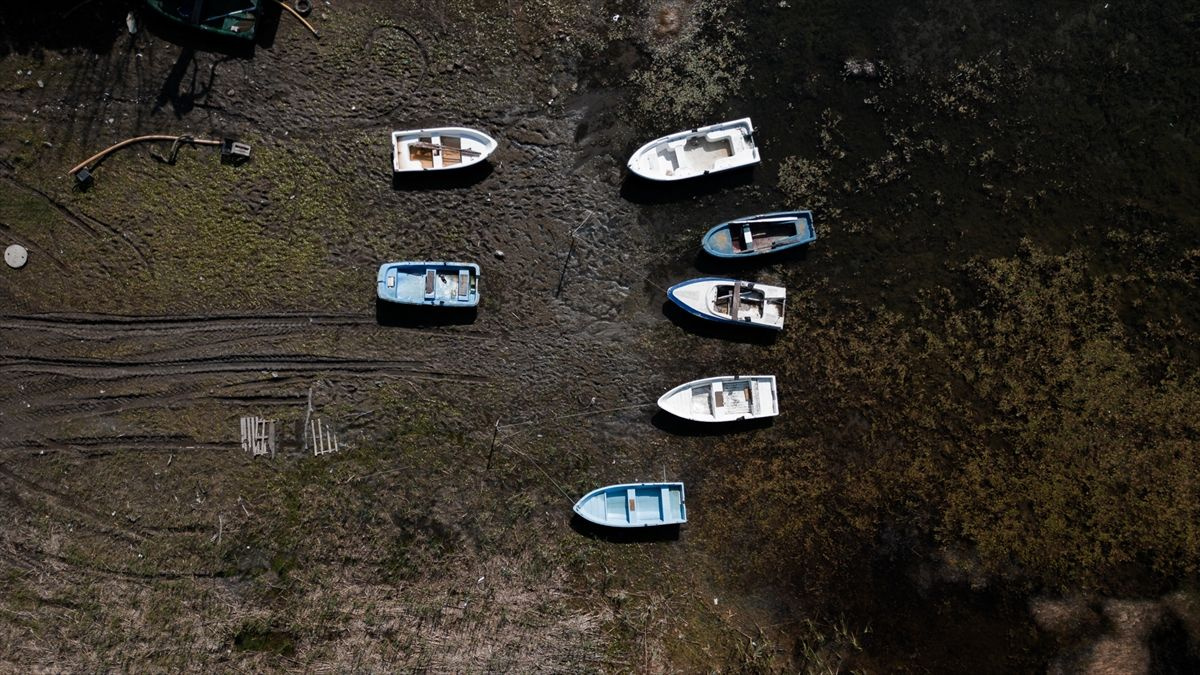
[15, 256]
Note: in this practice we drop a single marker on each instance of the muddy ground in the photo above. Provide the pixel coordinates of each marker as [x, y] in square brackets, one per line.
[953, 162]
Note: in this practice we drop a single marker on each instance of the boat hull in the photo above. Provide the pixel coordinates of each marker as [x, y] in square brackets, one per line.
[761, 234]
[711, 298]
[429, 284]
[217, 18]
[634, 505]
[726, 398]
[439, 149]
[697, 152]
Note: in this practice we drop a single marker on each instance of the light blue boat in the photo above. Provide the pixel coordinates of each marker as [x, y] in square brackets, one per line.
[634, 505]
[434, 284]
[764, 233]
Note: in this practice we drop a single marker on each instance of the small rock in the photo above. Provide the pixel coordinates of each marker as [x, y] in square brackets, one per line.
[499, 254]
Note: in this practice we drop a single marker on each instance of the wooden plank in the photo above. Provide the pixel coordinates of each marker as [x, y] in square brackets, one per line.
[424, 145]
[735, 303]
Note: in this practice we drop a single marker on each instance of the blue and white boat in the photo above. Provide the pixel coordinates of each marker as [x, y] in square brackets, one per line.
[744, 303]
[435, 284]
[634, 505]
[764, 233]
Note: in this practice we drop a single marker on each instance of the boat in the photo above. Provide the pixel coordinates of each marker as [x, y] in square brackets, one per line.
[701, 151]
[634, 505]
[764, 233]
[723, 399]
[744, 303]
[221, 18]
[436, 284]
[439, 149]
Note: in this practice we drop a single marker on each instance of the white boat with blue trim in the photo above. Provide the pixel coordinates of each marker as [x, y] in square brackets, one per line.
[634, 505]
[732, 301]
[723, 399]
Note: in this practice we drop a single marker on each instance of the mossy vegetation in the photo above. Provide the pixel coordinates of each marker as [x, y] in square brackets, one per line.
[695, 62]
[1020, 418]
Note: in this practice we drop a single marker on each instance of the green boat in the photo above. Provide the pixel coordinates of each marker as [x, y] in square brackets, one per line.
[224, 18]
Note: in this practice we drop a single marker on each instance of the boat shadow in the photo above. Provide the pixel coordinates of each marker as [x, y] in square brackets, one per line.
[396, 315]
[719, 330]
[456, 179]
[640, 190]
[710, 264]
[677, 426]
[624, 535]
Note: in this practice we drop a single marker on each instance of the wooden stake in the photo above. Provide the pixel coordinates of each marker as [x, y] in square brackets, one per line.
[562, 276]
[492, 449]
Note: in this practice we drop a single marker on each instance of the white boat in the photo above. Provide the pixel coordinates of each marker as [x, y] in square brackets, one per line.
[686, 154]
[635, 505]
[439, 149]
[723, 399]
[731, 301]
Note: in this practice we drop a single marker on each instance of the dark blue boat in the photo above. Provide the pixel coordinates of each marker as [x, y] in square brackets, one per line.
[764, 233]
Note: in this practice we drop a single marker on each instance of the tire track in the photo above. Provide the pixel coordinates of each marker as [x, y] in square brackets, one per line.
[109, 325]
[88, 224]
[24, 557]
[109, 369]
[33, 248]
[64, 502]
[98, 446]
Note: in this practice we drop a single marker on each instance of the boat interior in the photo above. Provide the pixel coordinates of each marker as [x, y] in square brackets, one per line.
[722, 399]
[642, 504]
[448, 284]
[432, 284]
[433, 151]
[738, 302]
[696, 153]
[752, 236]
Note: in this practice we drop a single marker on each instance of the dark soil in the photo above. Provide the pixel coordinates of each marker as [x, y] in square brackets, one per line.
[998, 189]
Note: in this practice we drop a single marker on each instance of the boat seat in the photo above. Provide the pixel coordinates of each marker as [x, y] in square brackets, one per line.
[430, 278]
[669, 156]
[718, 396]
[464, 284]
[747, 237]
